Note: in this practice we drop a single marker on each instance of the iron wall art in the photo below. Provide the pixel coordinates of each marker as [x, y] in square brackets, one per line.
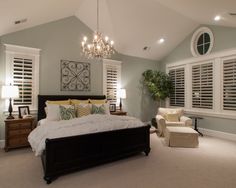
[75, 76]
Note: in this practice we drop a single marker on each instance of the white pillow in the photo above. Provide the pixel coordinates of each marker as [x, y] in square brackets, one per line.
[53, 111]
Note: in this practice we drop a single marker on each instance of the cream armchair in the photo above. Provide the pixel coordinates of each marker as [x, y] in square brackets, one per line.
[171, 117]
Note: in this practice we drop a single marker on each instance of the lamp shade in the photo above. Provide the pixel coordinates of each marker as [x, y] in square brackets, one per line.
[9, 91]
[123, 93]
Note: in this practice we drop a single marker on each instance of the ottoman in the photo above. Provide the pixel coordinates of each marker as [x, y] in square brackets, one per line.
[181, 137]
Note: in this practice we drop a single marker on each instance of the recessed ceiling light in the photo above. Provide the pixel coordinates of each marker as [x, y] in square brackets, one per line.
[160, 41]
[217, 18]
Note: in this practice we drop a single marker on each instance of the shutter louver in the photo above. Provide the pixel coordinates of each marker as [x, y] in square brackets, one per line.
[229, 85]
[23, 78]
[202, 86]
[177, 78]
[111, 83]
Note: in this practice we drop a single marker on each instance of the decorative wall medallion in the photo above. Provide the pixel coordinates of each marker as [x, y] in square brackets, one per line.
[75, 76]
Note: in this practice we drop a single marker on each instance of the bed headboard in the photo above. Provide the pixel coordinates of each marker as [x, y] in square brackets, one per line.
[43, 98]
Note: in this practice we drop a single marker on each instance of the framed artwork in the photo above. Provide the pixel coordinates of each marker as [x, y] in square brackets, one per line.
[75, 76]
[112, 107]
[23, 111]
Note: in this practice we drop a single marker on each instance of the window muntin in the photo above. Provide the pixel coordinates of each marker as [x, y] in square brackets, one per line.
[177, 76]
[202, 86]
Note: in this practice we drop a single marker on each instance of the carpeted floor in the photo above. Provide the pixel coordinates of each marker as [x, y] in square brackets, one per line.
[212, 165]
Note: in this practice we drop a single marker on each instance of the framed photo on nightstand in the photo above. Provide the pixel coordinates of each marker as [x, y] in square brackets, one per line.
[23, 111]
[112, 107]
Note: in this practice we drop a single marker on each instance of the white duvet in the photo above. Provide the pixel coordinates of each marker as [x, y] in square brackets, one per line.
[78, 126]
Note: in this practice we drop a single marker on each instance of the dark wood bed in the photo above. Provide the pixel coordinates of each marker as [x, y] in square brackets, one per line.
[68, 154]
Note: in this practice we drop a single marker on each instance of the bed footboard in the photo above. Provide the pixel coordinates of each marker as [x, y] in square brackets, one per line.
[64, 155]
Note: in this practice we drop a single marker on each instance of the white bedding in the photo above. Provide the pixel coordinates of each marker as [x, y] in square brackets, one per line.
[78, 126]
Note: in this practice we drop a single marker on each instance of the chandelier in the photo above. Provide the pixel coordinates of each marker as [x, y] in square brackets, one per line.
[100, 47]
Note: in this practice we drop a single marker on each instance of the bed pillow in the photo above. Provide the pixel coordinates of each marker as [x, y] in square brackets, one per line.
[106, 105]
[53, 113]
[100, 101]
[83, 110]
[67, 112]
[76, 101]
[59, 102]
[98, 109]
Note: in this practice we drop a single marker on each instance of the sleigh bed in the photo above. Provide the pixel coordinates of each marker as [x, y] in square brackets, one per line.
[68, 154]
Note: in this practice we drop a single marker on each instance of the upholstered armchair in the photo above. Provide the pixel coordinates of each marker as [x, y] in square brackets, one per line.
[171, 117]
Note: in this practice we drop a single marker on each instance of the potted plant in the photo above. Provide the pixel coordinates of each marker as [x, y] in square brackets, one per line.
[158, 84]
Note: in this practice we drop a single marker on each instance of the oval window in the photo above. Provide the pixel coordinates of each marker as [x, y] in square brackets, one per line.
[202, 41]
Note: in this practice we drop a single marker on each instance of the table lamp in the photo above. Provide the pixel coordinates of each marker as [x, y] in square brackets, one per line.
[122, 96]
[10, 92]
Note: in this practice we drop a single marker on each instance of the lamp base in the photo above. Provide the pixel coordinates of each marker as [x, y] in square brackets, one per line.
[10, 117]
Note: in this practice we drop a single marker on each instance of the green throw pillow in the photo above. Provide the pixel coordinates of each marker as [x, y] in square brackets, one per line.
[98, 109]
[67, 113]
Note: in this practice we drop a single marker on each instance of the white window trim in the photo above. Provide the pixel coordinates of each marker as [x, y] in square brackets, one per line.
[217, 59]
[10, 51]
[118, 64]
[195, 37]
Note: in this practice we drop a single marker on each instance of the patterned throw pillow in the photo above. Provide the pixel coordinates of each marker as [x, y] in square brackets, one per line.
[83, 110]
[98, 109]
[67, 113]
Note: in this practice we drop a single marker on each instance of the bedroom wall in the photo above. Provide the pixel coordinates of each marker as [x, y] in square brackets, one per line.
[61, 40]
[224, 38]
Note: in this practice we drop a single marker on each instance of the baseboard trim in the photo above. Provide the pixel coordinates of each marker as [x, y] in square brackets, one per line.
[2, 144]
[218, 134]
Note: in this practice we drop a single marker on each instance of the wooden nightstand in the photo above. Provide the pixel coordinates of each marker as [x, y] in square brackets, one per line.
[17, 131]
[119, 113]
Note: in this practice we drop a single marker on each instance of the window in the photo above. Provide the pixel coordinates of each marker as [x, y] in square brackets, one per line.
[202, 86]
[202, 41]
[177, 78]
[22, 70]
[111, 80]
[229, 85]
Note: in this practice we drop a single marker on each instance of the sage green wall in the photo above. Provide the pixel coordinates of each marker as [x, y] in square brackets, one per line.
[62, 40]
[224, 38]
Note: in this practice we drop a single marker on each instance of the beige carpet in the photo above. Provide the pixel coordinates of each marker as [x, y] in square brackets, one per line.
[212, 165]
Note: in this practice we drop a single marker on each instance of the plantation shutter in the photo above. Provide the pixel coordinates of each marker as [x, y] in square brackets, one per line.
[112, 74]
[229, 85]
[202, 86]
[23, 78]
[177, 78]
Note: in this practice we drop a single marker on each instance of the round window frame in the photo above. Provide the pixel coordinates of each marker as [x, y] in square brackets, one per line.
[195, 38]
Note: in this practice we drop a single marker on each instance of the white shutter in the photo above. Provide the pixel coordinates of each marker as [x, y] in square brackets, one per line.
[23, 78]
[111, 83]
[111, 80]
[202, 86]
[177, 78]
[229, 85]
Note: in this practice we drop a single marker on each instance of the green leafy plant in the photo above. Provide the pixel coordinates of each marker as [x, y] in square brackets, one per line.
[158, 84]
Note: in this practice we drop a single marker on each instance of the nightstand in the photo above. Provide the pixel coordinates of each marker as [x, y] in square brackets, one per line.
[119, 113]
[17, 131]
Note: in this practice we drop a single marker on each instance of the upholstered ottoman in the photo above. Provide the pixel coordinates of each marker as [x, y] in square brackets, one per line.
[181, 137]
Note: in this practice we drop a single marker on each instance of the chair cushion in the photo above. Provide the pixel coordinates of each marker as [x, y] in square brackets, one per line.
[169, 123]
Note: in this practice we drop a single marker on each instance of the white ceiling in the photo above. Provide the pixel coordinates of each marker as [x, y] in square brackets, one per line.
[132, 24]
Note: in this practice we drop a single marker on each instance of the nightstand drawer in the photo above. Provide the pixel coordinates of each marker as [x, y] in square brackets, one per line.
[16, 132]
[22, 125]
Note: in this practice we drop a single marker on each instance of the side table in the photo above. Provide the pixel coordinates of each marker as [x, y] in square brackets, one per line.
[119, 113]
[195, 118]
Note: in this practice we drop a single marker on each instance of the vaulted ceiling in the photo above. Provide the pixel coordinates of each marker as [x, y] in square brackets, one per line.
[132, 24]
